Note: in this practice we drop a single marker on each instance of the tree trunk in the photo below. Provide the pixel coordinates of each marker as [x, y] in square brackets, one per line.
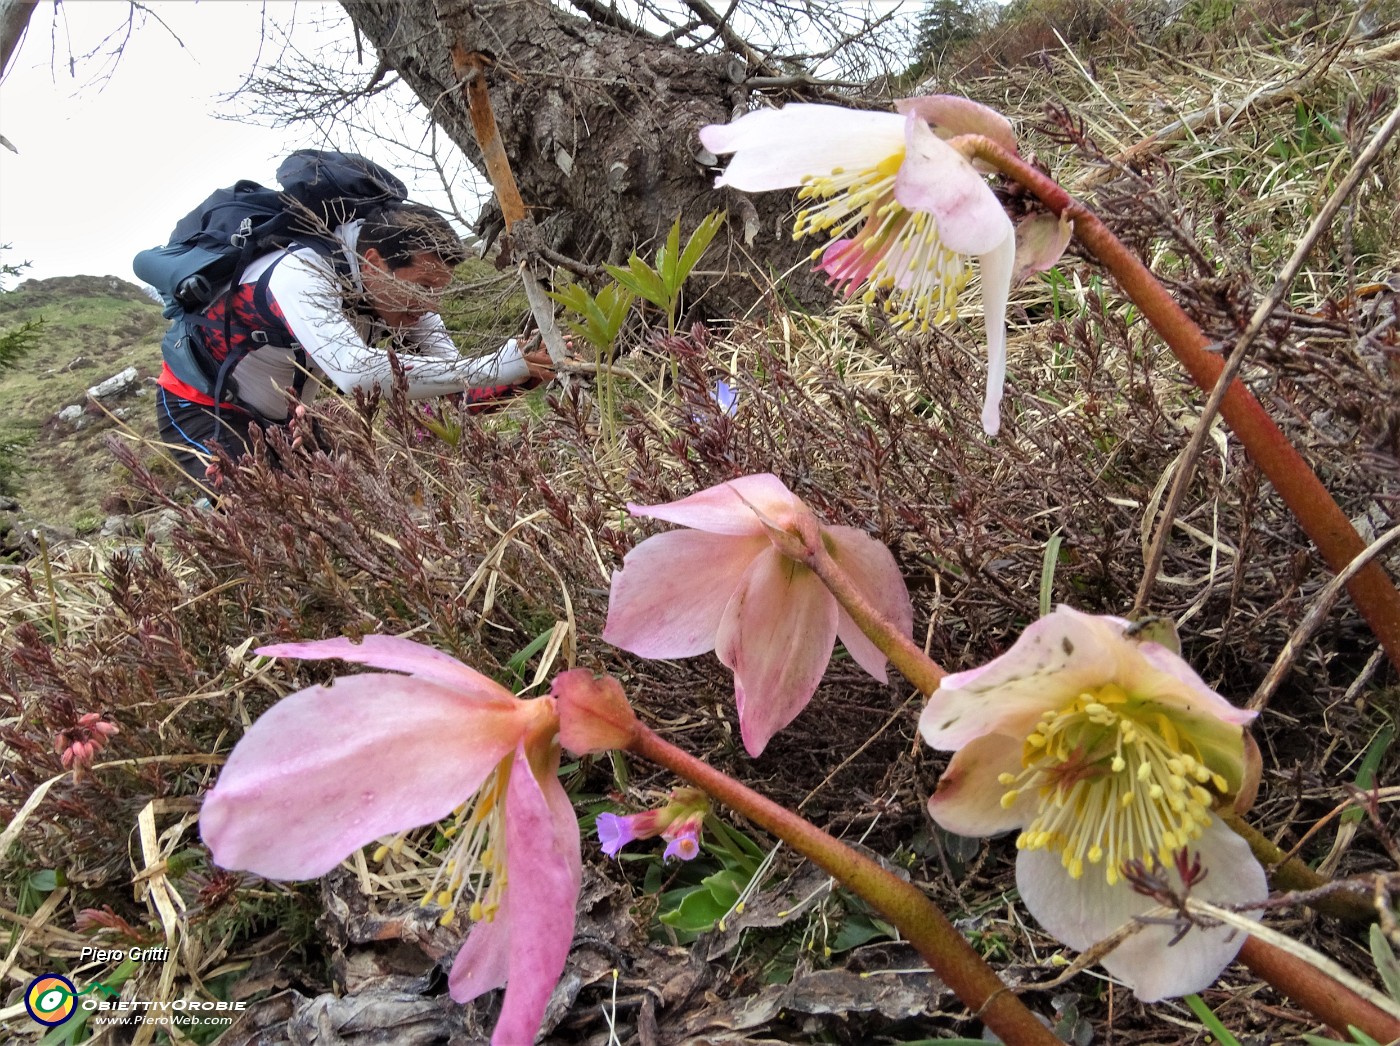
[600, 127]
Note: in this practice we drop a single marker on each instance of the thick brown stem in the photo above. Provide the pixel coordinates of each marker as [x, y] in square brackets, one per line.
[1318, 994]
[1314, 508]
[1289, 873]
[918, 918]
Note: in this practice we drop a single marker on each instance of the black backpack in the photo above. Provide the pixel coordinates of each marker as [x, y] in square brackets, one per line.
[212, 245]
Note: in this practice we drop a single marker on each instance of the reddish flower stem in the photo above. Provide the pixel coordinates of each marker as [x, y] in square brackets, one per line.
[904, 654]
[919, 919]
[1319, 994]
[1314, 508]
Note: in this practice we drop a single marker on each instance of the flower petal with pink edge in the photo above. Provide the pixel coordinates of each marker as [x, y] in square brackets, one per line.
[968, 798]
[938, 179]
[778, 148]
[870, 565]
[1054, 659]
[397, 655]
[1156, 670]
[669, 596]
[1081, 912]
[536, 923]
[996, 288]
[951, 115]
[332, 768]
[729, 508]
[777, 635]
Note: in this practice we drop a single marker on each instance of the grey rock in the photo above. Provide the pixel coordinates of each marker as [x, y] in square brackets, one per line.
[160, 528]
[115, 526]
[115, 385]
[71, 415]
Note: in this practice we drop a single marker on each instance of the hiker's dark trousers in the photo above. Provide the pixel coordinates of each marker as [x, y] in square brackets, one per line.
[190, 429]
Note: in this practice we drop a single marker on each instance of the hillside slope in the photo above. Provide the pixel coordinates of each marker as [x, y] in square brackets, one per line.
[90, 328]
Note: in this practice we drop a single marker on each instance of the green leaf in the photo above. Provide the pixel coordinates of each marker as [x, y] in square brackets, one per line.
[516, 664]
[702, 906]
[859, 929]
[1370, 763]
[699, 240]
[1384, 957]
[667, 257]
[641, 280]
[1212, 1023]
[1047, 571]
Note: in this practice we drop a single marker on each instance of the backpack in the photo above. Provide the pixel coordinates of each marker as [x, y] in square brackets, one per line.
[211, 246]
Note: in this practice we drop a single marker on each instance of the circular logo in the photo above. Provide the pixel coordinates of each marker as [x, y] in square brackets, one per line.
[51, 999]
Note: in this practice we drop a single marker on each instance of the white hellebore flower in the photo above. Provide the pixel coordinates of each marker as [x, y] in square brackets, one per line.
[906, 212]
[1103, 749]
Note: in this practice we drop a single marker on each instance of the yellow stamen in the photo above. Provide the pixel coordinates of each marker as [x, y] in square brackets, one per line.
[1118, 778]
[889, 248]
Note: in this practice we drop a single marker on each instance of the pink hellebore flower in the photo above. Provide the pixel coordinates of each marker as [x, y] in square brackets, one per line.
[905, 211]
[332, 768]
[723, 585]
[1103, 749]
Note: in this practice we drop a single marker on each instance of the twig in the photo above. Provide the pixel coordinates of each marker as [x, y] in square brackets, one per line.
[1261, 316]
[470, 67]
[1313, 618]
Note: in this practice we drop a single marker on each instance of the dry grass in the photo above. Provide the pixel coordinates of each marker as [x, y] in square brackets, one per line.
[1212, 163]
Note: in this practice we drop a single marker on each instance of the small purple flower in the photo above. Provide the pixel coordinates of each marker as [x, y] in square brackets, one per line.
[616, 831]
[683, 837]
[727, 397]
[678, 822]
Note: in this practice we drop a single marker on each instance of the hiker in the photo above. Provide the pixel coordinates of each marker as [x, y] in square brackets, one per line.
[312, 317]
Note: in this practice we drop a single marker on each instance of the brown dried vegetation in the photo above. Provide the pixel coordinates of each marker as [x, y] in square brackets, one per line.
[508, 528]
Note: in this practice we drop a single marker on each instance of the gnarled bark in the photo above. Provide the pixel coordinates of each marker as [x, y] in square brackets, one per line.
[599, 124]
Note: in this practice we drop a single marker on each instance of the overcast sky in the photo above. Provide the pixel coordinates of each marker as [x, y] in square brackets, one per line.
[108, 164]
[113, 152]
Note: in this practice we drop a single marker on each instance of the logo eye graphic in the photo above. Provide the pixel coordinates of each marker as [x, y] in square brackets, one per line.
[50, 999]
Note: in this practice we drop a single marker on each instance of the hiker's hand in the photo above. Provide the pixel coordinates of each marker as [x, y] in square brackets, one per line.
[541, 366]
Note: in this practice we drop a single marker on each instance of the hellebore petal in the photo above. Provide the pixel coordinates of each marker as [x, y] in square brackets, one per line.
[778, 148]
[1041, 240]
[331, 768]
[903, 215]
[535, 927]
[937, 179]
[996, 287]
[669, 597]
[1055, 658]
[967, 800]
[950, 116]
[777, 635]
[396, 654]
[1082, 913]
[1110, 754]
[870, 564]
[729, 507]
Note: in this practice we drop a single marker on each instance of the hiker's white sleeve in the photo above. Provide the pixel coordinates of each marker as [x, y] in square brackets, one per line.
[308, 293]
[429, 338]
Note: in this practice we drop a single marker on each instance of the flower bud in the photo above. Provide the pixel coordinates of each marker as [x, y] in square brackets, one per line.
[594, 715]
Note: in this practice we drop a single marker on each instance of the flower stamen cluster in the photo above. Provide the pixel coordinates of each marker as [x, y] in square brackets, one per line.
[896, 249]
[1117, 781]
[475, 861]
